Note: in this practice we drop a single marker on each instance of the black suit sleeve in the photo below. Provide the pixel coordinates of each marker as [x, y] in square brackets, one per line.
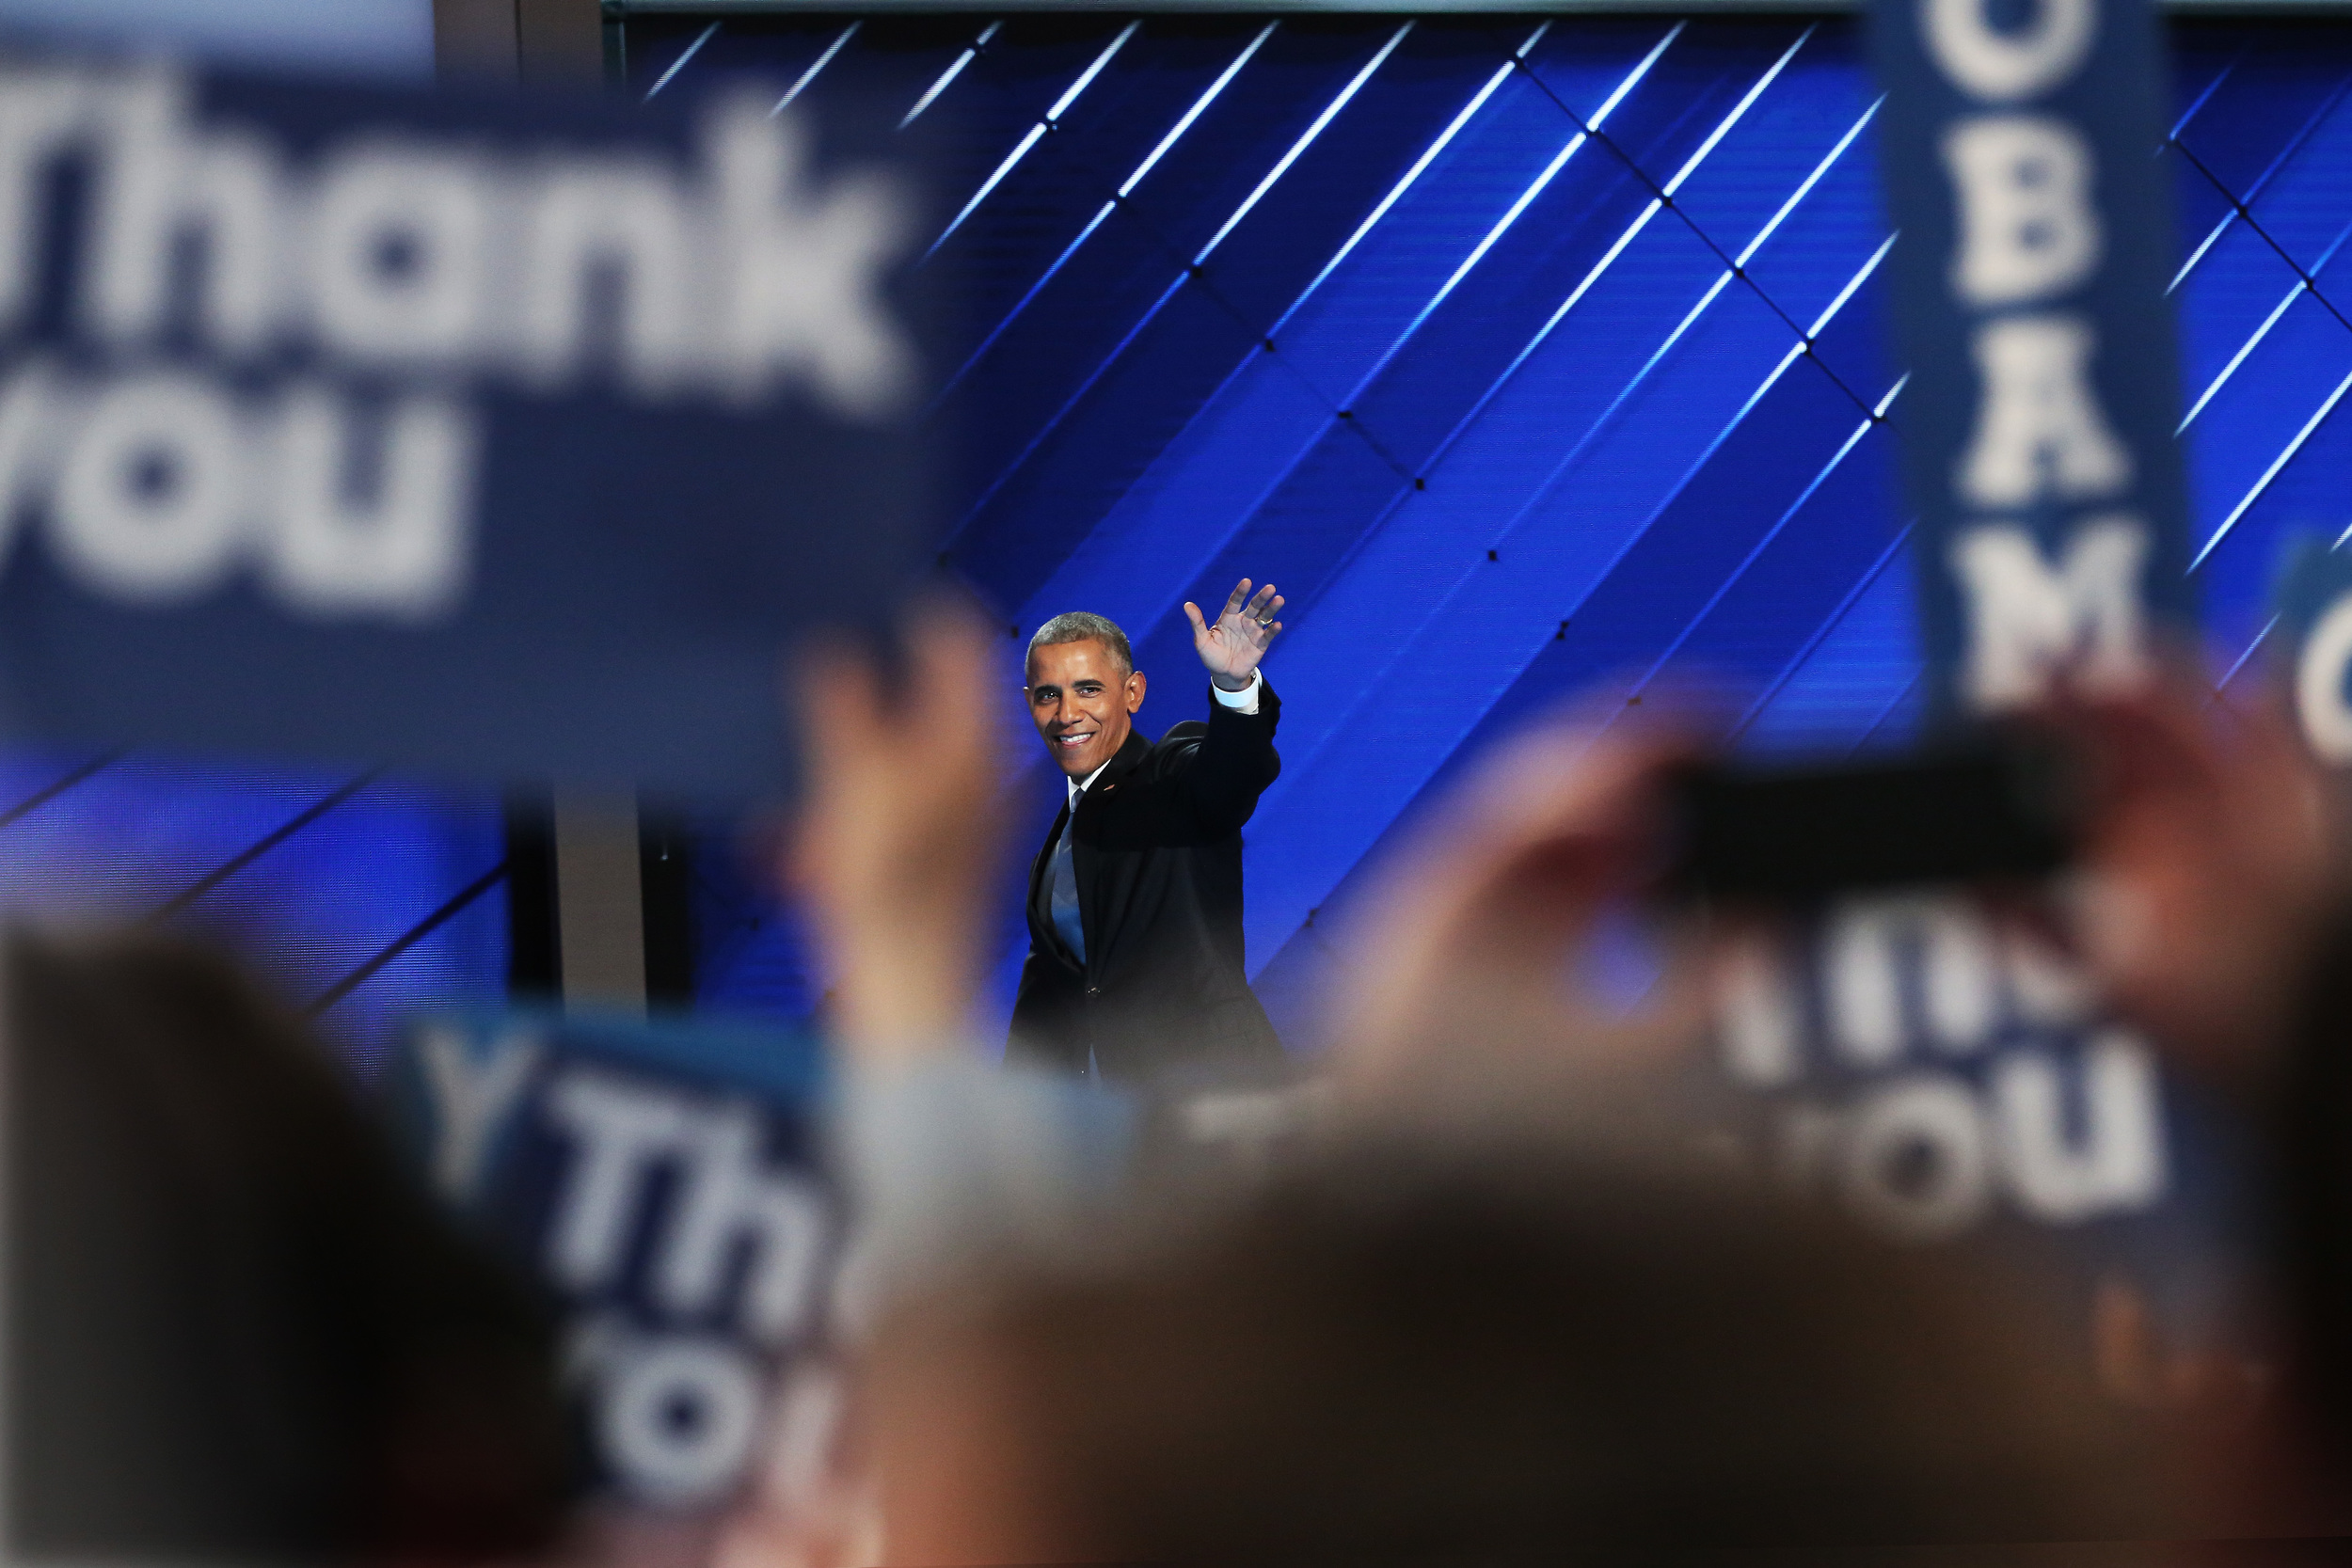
[1223, 776]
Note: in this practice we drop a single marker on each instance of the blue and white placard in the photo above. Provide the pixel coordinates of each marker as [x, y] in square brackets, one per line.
[666, 1185]
[489, 437]
[2018, 145]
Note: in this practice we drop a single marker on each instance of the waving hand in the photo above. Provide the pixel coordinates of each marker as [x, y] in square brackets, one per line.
[1233, 647]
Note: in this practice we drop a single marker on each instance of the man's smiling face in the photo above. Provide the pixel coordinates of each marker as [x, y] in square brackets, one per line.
[1082, 700]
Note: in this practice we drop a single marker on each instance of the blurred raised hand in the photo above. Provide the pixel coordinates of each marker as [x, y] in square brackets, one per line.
[2209, 861]
[898, 833]
[1465, 980]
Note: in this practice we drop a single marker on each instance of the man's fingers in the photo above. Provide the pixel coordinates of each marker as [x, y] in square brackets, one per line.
[1192, 614]
[1240, 594]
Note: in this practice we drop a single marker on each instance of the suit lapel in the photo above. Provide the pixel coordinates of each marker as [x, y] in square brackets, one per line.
[1124, 761]
[1091, 804]
[1041, 934]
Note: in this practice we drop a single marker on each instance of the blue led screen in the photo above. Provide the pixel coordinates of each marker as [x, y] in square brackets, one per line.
[354, 897]
[1533, 358]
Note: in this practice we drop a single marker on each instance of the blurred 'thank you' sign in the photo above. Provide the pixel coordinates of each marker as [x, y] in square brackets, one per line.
[2019, 151]
[665, 1183]
[503, 439]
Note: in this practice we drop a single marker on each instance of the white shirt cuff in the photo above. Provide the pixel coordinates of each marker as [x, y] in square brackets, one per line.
[1244, 701]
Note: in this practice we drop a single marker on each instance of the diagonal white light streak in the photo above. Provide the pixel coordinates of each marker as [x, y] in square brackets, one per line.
[1706, 455]
[2190, 113]
[1086, 78]
[1005, 322]
[2251, 648]
[1330, 112]
[1070, 402]
[1739, 112]
[1690, 318]
[2198, 254]
[679, 64]
[1633, 78]
[1420, 165]
[1892, 393]
[1551, 172]
[1030, 139]
[1585, 285]
[1103, 213]
[2272, 472]
[1198, 105]
[2254, 191]
[1019, 150]
[2239, 357]
[1757, 550]
[815, 66]
[1811, 180]
[1592, 432]
[1820, 634]
[1559, 162]
[971, 53]
[1510, 217]
[1851, 284]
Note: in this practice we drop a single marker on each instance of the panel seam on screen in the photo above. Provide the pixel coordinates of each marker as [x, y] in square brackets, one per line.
[384, 957]
[1339, 411]
[48, 792]
[1822, 633]
[1190, 273]
[1029, 138]
[1313, 391]
[1553, 479]
[1542, 334]
[2241, 207]
[1757, 550]
[971, 53]
[1102, 213]
[263, 846]
[1663, 194]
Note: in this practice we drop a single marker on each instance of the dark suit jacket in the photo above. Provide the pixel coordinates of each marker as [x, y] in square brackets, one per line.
[1157, 854]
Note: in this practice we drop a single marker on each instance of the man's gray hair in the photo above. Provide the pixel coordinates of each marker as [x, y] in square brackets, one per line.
[1080, 627]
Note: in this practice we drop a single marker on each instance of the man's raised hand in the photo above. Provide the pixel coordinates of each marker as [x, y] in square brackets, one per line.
[1233, 647]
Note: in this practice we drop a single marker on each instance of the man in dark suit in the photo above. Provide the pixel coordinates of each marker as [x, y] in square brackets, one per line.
[1135, 901]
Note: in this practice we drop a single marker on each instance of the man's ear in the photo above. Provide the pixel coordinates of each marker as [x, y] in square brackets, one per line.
[1135, 689]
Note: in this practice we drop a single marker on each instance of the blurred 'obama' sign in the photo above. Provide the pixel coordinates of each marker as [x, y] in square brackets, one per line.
[508, 440]
[2039, 446]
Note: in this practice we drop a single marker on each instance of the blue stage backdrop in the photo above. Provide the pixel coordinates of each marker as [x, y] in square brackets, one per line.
[360, 899]
[1529, 359]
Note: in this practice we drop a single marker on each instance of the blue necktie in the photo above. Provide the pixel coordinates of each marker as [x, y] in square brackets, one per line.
[1065, 890]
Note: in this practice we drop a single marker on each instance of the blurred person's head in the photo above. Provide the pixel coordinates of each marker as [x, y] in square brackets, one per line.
[236, 1329]
[1084, 690]
[1402, 1355]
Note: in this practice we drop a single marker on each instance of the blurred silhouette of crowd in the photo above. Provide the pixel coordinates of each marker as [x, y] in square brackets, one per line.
[1474, 1287]
[1494, 1297]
